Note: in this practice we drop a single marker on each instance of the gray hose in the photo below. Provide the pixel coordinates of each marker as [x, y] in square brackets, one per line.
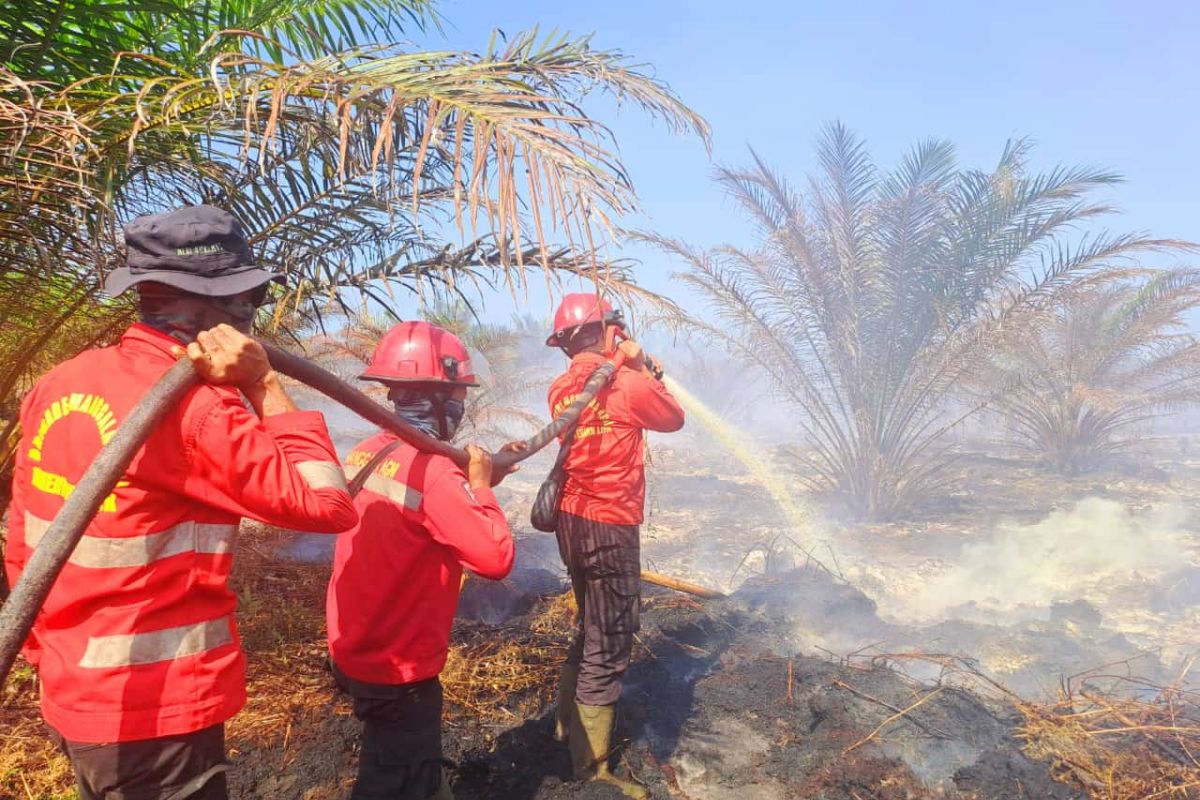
[29, 594]
[338, 390]
[371, 410]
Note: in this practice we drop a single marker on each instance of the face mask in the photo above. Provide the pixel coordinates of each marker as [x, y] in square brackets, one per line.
[182, 316]
[437, 417]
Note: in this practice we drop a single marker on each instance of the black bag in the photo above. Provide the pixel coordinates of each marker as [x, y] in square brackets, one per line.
[544, 514]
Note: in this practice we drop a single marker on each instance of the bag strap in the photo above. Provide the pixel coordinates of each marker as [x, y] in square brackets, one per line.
[355, 486]
[560, 462]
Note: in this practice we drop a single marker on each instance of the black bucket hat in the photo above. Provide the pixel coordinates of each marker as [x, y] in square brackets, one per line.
[199, 249]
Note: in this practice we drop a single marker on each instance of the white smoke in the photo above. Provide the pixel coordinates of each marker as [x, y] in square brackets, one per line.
[1080, 553]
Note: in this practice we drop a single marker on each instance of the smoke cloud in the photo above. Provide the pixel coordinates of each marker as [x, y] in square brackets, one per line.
[1080, 553]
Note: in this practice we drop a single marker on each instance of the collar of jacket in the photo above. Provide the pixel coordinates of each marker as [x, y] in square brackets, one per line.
[142, 334]
[588, 358]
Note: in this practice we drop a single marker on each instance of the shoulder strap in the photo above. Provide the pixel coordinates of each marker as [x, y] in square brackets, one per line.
[355, 486]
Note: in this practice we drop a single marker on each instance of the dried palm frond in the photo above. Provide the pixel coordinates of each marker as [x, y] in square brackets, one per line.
[1105, 363]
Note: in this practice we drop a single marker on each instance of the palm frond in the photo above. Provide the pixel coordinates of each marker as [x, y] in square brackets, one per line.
[1107, 362]
[875, 301]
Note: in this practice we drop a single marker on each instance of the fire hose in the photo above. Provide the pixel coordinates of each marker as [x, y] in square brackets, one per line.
[319, 379]
[19, 611]
[56, 545]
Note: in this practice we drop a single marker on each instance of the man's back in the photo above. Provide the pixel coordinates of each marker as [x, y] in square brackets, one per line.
[395, 581]
[606, 466]
[137, 638]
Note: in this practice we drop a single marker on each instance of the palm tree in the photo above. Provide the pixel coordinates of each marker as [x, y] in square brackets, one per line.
[1103, 364]
[358, 169]
[869, 298]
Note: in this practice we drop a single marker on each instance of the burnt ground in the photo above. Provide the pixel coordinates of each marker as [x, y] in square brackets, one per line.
[711, 710]
[807, 683]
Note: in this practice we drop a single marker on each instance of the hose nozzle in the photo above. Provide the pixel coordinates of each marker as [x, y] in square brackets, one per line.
[653, 366]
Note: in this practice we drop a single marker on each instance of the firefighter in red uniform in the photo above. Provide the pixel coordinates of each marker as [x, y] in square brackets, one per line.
[396, 576]
[136, 648]
[600, 512]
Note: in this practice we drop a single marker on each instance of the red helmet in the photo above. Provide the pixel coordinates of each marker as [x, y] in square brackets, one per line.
[577, 310]
[418, 352]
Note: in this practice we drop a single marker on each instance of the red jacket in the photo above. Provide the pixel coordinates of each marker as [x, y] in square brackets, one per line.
[396, 574]
[606, 474]
[137, 638]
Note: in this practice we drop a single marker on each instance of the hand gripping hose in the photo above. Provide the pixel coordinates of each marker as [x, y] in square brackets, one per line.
[56, 545]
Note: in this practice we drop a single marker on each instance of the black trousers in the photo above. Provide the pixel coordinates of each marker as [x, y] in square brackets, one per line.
[401, 756]
[191, 766]
[604, 562]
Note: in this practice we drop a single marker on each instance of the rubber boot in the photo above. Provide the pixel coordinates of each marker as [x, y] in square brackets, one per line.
[590, 733]
[567, 681]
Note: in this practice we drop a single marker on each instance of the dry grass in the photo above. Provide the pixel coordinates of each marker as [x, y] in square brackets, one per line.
[1117, 736]
[557, 616]
[31, 768]
[488, 670]
[1135, 741]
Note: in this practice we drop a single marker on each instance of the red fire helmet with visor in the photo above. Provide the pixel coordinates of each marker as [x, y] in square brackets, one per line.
[576, 312]
[420, 352]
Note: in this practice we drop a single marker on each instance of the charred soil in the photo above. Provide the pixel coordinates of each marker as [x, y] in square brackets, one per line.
[711, 710]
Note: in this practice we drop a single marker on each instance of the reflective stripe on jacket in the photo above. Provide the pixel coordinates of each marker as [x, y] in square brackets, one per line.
[606, 473]
[137, 638]
[395, 583]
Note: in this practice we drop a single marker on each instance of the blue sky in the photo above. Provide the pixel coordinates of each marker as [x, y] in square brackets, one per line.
[1108, 83]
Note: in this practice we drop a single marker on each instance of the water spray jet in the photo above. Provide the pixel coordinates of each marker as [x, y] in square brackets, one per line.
[738, 446]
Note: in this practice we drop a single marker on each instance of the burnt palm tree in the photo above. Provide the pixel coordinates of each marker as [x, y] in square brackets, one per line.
[1105, 364]
[870, 296]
